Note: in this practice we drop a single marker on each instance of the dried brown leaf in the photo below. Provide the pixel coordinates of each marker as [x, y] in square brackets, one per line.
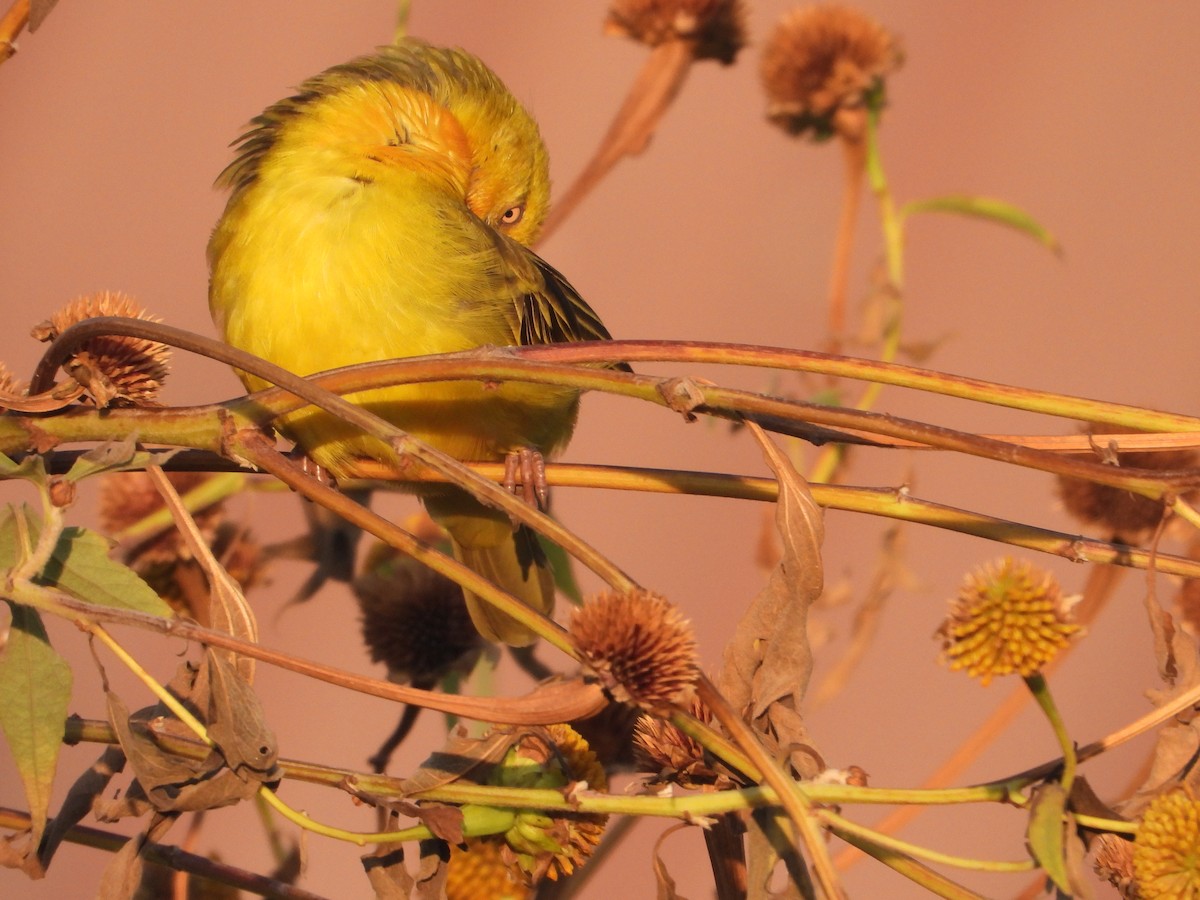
[432, 871]
[458, 758]
[768, 662]
[124, 872]
[236, 722]
[771, 840]
[386, 873]
[79, 800]
[663, 881]
[243, 758]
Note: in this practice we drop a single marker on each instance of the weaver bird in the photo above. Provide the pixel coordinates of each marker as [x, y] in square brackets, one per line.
[385, 210]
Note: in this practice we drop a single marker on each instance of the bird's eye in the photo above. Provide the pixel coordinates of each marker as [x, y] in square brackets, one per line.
[512, 215]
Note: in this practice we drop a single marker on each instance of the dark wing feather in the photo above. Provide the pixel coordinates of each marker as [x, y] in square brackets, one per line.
[549, 310]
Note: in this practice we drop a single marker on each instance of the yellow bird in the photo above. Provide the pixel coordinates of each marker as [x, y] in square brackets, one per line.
[384, 211]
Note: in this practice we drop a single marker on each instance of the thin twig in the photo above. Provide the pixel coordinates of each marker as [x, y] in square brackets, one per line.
[172, 858]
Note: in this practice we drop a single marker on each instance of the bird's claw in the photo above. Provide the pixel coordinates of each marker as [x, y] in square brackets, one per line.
[526, 467]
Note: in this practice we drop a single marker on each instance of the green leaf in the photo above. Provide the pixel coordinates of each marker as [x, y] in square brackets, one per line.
[35, 691]
[986, 208]
[79, 565]
[1045, 833]
[116, 456]
[32, 468]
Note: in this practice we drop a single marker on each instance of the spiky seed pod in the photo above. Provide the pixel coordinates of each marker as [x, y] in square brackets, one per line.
[717, 26]
[1166, 851]
[162, 559]
[1008, 617]
[1126, 515]
[1112, 859]
[113, 369]
[640, 646]
[823, 61]
[414, 620]
[669, 755]
[10, 385]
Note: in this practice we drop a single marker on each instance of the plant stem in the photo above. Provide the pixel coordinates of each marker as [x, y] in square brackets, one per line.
[1041, 693]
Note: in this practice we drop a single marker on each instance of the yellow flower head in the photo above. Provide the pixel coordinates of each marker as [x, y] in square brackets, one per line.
[1166, 852]
[1008, 617]
[640, 645]
[822, 60]
[478, 872]
[540, 844]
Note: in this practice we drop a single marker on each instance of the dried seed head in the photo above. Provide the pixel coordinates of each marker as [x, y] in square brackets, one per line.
[1127, 515]
[162, 558]
[113, 369]
[1166, 851]
[717, 26]
[541, 844]
[10, 385]
[1112, 858]
[478, 871]
[414, 620]
[640, 645]
[1008, 617]
[670, 755]
[822, 62]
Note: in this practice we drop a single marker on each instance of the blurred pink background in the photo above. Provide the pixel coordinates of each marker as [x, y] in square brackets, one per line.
[115, 118]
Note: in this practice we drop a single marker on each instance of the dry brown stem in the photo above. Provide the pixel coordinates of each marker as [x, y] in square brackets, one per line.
[11, 25]
[651, 95]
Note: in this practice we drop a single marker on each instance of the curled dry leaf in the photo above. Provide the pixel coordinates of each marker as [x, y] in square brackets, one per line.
[768, 663]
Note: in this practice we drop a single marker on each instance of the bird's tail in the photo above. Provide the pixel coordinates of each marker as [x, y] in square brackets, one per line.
[484, 541]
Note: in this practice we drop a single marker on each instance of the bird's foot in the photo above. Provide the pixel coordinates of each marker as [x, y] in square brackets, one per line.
[527, 468]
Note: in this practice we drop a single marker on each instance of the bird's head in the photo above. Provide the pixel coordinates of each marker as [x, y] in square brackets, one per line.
[407, 108]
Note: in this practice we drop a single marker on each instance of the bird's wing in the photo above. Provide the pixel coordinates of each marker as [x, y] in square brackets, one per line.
[549, 310]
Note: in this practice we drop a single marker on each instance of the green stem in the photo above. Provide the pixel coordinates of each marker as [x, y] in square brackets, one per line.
[843, 826]
[1041, 693]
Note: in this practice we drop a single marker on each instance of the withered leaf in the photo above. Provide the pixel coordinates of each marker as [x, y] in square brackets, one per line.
[458, 758]
[236, 722]
[124, 872]
[446, 822]
[88, 787]
[771, 840]
[386, 873]
[432, 871]
[663, 881]
[1177, 745]
[244, 756]
[767, 665]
